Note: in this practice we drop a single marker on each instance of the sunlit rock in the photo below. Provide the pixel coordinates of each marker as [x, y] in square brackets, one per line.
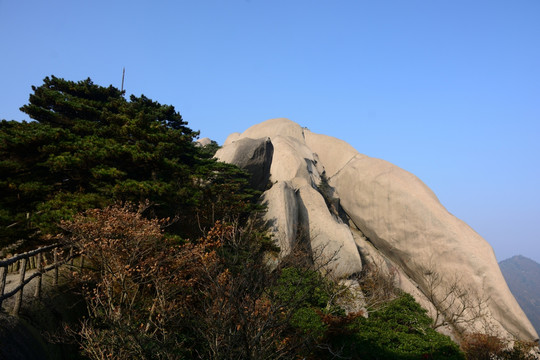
[394, 218]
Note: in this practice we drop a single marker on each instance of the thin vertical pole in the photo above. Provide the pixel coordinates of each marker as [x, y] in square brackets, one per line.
[3, 275]
[39, 264]
[123, 75]
[55, 261]
[18, 300]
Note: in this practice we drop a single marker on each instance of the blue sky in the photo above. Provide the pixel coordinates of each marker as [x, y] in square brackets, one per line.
[448, 90]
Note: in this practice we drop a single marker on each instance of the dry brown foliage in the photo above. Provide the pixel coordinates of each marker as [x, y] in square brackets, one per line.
[481, 346]
[150, 298]
[478, 346]
[138, 286]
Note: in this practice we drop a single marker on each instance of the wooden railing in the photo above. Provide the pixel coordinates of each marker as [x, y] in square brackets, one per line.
[35, 259]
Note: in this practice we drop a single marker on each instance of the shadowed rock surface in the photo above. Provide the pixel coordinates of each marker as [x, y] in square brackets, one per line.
[253, 155]
[19, 341]
[392, 216]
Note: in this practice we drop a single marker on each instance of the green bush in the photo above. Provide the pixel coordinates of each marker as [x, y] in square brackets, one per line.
[400, 330]
[303, 287]
[308, 321]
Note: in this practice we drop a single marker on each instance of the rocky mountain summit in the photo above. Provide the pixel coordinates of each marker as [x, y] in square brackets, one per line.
[360, 211]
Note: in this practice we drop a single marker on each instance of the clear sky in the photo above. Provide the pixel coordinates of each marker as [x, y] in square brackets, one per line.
[448, 90]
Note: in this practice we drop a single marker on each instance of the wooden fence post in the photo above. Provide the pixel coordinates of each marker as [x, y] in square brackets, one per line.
[19, 298]
[3, 275]
[55, 261]
[39, 264]
[34, 259]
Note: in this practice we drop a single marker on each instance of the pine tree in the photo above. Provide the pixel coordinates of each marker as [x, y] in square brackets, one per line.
[89, 147]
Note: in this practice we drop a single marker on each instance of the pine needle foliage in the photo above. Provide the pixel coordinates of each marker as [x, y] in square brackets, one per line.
[89, 147]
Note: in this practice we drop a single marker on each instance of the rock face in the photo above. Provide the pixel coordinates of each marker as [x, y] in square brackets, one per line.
[19, 342]
[389, 214]
[253, 155]
[296, 209]
[203, 142]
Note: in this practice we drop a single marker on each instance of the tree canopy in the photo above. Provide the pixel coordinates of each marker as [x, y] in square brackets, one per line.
[89, 146]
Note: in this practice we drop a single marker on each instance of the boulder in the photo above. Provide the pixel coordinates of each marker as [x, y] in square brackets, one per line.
[295, 169]
[332, 243]
[203, 142]
[282, 215]
[293, 159]
[252, 155]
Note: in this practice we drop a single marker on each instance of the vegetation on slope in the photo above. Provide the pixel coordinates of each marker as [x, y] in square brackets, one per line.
[217, 298]
[177, 260]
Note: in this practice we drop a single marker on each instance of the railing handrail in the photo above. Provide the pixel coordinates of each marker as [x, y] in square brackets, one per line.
[31, 277]
[23, 280]
[27, 254]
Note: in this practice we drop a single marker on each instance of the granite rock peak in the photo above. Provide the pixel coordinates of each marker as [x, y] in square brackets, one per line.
[370, 210]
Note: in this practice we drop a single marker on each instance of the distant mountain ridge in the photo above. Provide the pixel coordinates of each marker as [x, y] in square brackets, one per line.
[523, 278]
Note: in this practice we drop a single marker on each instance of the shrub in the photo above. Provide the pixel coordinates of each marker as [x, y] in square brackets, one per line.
[486, 347]
[400, 330]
